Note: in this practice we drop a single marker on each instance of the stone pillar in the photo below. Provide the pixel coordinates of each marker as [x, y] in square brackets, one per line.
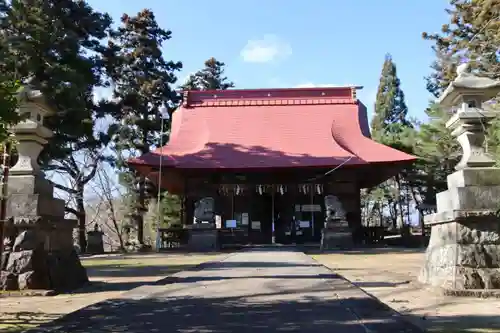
[464, 247]
[40, 252]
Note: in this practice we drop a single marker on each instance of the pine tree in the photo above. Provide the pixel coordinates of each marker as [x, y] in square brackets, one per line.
[472, 34]
[56, 44]
[211, 77]
[8, 105]
[390, 114]
[142, 81]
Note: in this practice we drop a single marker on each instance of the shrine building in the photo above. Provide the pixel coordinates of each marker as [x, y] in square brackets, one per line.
[268, 157]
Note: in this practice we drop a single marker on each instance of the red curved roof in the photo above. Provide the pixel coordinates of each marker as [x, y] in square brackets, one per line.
[235, 129]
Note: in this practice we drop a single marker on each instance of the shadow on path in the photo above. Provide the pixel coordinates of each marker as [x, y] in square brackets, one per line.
[232, 314]
[21, 321]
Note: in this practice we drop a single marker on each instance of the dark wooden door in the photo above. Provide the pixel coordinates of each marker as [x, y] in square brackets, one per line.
[262, 212]
[283, 208]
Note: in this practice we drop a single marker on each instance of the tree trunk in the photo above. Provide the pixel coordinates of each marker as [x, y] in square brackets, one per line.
[418, 201]
[115, 225]
[82, 218]
[421, 222]
[399, 201]
[141, 205]
[393, 213]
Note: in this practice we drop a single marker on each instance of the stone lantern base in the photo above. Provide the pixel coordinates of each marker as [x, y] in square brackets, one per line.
[38, 251]
[41, 256]
[464, 247]
[463, 252]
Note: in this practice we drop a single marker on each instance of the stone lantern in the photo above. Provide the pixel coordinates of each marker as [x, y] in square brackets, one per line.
[465, 97]
[39, 252]
[464, 247]
[30, 134]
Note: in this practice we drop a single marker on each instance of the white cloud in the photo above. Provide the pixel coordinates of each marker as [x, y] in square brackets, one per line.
[269, 48]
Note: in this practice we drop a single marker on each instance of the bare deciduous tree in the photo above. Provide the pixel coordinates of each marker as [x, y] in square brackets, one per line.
[105, 208]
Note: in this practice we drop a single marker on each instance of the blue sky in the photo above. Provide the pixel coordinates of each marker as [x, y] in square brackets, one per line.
[278, 43]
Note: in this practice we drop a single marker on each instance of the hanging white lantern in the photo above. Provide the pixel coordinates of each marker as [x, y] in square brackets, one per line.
[260, 189]
[237, 189]
[319, 188]
[282, 190]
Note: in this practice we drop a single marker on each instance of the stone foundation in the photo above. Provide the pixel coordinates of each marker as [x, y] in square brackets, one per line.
[464, 253]
[336, 235]
[27, 265]
[203, 237]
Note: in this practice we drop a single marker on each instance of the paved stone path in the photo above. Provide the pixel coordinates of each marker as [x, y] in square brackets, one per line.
[258, 290]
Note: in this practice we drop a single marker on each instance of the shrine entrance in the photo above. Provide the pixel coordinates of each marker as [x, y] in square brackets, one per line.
[267, 214]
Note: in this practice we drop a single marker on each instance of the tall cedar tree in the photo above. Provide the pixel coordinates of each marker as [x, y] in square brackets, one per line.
[211, 77]
[142, 81]
[56, 44]
[390, 114]
[389, 126]
[473, 34]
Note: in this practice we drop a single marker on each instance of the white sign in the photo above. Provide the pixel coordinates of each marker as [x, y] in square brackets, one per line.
[304, 224]
[230, 223]
[218, 221]
[256, 225]
[244, 218]
[311, 208]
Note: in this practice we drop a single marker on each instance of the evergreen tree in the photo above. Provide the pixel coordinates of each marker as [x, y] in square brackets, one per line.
[142, 81]
[473, 34]
[390, 125]
[438, 154]
[169, 212]
[391, 112]
[8, 105]
[56, 44]
[211, 77]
